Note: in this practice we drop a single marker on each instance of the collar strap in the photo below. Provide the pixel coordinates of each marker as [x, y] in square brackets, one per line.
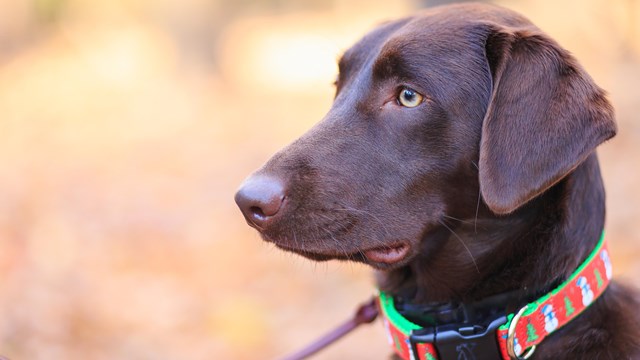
[508, 337]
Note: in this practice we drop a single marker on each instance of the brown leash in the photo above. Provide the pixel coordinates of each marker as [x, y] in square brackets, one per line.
[365, 314]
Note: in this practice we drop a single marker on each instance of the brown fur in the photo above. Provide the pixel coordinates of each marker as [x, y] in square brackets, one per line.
[493, 181]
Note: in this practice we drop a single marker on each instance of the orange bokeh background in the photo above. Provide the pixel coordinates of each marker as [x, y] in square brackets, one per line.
[126, 127]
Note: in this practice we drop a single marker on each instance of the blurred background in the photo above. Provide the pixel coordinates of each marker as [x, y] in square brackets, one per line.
[126, 127]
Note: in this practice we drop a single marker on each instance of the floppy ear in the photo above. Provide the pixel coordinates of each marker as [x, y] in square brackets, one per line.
[545, 116]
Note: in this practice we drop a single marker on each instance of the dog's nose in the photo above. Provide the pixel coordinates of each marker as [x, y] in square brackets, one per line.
[260, 199]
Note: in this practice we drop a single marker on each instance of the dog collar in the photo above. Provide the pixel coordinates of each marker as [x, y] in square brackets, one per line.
[512, 336]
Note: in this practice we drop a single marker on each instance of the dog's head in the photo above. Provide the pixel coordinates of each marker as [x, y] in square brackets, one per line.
[455, 111]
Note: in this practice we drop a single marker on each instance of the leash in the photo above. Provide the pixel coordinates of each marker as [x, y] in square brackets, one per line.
[365, 314]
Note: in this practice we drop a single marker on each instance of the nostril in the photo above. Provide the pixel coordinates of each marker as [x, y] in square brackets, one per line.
[257, 212]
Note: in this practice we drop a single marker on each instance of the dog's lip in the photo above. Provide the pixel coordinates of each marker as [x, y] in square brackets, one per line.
[389, 254]
[311, 254]
[382, 255]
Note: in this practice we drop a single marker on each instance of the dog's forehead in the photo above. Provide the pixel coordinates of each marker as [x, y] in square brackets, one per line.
[448, 25]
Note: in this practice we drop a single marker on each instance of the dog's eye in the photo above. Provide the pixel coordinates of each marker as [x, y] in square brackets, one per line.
[409, 98]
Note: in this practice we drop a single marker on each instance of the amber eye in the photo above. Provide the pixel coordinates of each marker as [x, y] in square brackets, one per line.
[409, 98]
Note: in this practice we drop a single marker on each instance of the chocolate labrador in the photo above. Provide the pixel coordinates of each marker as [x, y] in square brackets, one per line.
[458, 159]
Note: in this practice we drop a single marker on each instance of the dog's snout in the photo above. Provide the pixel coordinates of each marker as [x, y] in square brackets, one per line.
[260, 199]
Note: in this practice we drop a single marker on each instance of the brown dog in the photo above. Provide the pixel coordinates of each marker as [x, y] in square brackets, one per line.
[457, 159]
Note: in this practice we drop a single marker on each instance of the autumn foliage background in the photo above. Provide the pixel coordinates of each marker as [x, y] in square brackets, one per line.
[127, 125]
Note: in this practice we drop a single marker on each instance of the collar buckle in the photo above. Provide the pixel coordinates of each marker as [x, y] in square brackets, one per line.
[511, 344]
[454, 342]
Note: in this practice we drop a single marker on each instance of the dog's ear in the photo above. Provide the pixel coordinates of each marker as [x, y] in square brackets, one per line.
[545, 116]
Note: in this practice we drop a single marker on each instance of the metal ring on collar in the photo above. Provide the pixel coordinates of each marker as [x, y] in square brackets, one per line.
[511, 338]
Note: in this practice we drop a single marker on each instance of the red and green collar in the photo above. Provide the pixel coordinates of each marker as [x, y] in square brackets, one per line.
[514, 336]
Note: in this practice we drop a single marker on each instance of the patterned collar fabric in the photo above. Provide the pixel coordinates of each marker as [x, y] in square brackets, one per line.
[534, 322]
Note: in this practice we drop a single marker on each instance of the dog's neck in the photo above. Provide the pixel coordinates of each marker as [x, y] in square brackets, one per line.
[531, 250]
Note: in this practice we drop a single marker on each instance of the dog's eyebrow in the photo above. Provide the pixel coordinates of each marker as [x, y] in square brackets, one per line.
[390, 62]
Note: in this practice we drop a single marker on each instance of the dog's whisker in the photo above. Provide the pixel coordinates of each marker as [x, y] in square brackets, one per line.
[347, 208]
[457, 219]
[463, 244]
[377, 242]
[295, 240]
[341, 226]
[336, 241]
[475, 224]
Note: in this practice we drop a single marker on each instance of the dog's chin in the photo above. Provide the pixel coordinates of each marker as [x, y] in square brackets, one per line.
[387, 257]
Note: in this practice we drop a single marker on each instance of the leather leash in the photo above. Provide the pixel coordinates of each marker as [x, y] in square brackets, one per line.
[365, 314]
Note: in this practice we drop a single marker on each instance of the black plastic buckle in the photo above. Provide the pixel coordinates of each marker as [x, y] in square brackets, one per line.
[469, 342]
